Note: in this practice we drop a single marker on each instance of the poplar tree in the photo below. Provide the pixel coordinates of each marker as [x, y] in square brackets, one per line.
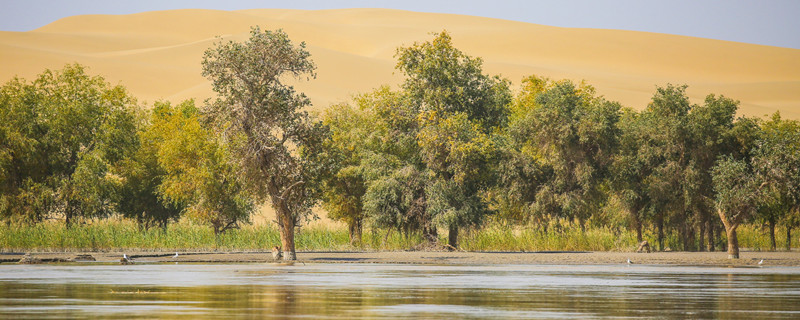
[265, 122]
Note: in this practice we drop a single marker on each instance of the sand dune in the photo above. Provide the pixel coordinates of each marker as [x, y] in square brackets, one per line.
[157, 54]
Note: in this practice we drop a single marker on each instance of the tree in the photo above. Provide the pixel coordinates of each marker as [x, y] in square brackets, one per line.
[665, 149]
[630, 169]
[62, 135]
[460, 108]
[574, 134]
[461, 158]
[199, 175]
[738, 194]
[141, 176]
[711, 126]
[263, 120]
[391, 164]
[344, 184]
[776, 158]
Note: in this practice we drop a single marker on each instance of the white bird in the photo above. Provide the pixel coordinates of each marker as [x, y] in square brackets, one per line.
[125, 256]
[761, 262]
[175, 256]
[629, 261]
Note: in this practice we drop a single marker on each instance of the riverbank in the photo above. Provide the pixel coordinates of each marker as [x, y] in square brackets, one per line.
[427, 257]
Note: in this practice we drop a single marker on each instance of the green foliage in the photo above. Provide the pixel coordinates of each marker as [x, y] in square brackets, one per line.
[573, 135]
[264, 121]
[444, 80]
[776, 158]
[141, 176]
[737, 189]
[198, 172]
[343, 181]
[62, 135]
[461, 108]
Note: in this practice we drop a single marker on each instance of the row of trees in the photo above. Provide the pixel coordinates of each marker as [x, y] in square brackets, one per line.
[75, 147]
[452, 146]
[448, 149]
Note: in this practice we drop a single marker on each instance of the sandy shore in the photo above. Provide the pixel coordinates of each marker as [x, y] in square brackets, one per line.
[428, 257]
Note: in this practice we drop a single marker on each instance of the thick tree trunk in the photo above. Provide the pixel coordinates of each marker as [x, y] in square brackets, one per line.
[430, 234]
[688, 238]
[639, 233]
[733, 240]
[733, 243]
[355, 228]
[772, 234]
[286, 227]
[69, 214]
[637, 224]
[452, 237]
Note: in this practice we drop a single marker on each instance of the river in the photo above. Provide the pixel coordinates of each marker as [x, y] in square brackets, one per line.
[388, 291]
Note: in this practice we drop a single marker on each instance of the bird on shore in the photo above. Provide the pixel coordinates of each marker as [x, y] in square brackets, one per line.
[629, 261]
[175, 256]
[125, 259]
[761, 262]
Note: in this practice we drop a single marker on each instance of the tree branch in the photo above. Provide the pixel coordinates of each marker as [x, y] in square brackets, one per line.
[289, 188]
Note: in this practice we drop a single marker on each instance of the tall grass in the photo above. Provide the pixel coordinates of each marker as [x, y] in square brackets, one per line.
[122, 235]
[566, 238]
[755, 237]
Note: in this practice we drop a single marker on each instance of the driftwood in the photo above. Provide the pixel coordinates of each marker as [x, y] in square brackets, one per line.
[644, 246]
[29, 259]
[84, 257]
[276, 253]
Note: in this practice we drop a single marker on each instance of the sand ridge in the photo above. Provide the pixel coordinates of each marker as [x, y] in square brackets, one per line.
[157, 54]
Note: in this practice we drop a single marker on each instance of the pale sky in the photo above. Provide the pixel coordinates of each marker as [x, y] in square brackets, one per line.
[767, 22]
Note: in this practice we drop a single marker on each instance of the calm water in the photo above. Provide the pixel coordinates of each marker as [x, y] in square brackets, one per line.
[353, 291]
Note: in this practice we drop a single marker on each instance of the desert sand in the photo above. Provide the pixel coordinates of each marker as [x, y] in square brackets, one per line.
[747, 259]
[156, 55]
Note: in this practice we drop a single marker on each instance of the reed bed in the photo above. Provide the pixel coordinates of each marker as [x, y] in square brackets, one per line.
[120, 234]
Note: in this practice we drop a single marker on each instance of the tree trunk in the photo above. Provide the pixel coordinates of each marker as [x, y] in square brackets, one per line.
[701, 240]
[637, 224]
[733, 240]
[688, 236]
[788, 237]
[772, 234]
[69, 214]
[430, 234]
[710, 231]
[355, 232]
[733, 243]
[286, 227]
[639, 232]
[660, 235]
[452, 237]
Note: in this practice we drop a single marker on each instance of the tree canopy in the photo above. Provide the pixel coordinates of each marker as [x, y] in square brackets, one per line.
[264, 121]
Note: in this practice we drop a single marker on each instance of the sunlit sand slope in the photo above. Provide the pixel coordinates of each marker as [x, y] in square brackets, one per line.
[157, 54]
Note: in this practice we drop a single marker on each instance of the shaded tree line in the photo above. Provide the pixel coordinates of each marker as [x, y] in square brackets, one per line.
[449, 149]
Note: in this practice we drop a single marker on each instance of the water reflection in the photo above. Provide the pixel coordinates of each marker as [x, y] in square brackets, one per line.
[352, 291]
